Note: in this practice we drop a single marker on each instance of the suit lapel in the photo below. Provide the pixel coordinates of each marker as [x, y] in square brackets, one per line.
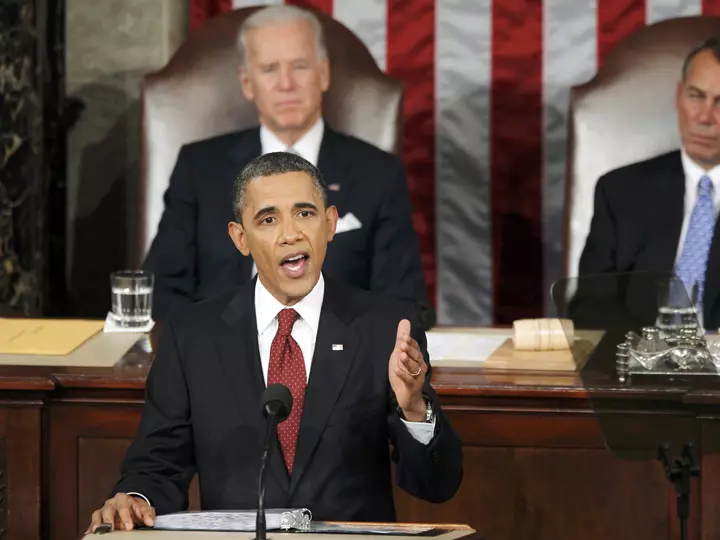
[328, 373]
[244, 150]
[336, 176]
[672, 191]
[237, 345]
[712, 274]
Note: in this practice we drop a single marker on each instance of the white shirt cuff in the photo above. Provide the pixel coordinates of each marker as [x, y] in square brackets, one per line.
[422, 432]
[135, 494]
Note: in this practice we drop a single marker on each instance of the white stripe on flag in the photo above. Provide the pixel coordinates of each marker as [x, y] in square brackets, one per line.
[569, 58]
[249, 3]
[659, 10]
[463, 233]
[368, 20]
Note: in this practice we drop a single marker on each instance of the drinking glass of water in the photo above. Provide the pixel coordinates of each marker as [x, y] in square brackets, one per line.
[676, 309]
[131, 297]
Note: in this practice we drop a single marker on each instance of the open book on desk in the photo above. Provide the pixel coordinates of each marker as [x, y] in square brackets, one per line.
[290, 520]
[239, 520]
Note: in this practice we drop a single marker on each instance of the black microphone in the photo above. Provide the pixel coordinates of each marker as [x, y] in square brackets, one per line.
[277, 404]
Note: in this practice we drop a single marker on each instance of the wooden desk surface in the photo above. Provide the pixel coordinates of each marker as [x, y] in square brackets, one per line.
[453, 532]
[597, 378]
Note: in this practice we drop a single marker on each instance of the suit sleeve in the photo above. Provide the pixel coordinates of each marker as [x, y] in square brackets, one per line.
[432, 472]
[160, 462]
[396, 263]
[598, 256]
[172, 255]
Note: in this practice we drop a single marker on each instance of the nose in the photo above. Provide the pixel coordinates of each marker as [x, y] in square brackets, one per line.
[290, 232]
[286, 80]
[705, 113]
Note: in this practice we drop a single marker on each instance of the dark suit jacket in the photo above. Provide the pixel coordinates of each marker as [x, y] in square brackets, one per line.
[193, 257]
[637, 223]
[203, 413]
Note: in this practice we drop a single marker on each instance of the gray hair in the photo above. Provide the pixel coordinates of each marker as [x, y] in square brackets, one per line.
[712, 44]
[273, 15]
[272, 164]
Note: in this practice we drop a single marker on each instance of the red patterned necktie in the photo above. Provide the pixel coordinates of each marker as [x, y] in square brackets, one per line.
[287, 366]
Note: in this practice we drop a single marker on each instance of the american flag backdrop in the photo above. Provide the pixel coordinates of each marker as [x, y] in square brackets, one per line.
[486, 93]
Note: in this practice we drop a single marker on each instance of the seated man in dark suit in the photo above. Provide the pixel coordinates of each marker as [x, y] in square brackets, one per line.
[285, 71]
[660, 215]
[355, 362]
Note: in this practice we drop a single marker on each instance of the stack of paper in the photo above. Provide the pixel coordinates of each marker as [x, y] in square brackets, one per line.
[45, 336]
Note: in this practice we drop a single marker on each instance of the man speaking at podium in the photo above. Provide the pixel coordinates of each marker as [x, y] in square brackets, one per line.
[355, 362]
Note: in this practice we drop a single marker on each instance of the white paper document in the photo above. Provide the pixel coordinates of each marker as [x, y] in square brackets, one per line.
[241, 520]
[468, 346]
[369, 528]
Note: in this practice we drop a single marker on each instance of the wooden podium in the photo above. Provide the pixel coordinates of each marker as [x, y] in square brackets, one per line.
[438, 532]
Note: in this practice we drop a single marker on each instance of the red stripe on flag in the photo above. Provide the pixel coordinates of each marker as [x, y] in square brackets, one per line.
[201, 10]
[711, 7]
[617, 19]
[411, 58]
[326, 6]
[516, 159]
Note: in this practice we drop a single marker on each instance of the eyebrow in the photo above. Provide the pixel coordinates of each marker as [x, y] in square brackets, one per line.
[297, 206]
[266, 210]
[692, 88]
[304, 206]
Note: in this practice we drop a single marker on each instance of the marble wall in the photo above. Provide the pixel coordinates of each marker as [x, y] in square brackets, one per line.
[110, 46]
[23, 170]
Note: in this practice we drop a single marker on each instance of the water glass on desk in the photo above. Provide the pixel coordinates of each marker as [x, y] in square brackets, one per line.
[677, 309]
[132, 292]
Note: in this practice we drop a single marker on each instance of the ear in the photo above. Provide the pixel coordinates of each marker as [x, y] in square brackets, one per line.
[238, 237]
[331, 215]
[246, 84]
[325, 74]
[679, 93]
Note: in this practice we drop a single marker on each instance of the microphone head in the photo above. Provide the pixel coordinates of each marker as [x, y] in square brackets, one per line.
[277, 400]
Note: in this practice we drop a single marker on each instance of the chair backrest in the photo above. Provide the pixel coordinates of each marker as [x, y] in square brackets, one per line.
[626, 113]
[197, 95]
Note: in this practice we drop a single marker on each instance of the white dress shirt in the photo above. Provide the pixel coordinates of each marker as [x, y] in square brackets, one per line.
[693, 174]
[307, 146]
[304, 330]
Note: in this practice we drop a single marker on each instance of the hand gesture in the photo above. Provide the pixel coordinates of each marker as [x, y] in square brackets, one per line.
[406, 371]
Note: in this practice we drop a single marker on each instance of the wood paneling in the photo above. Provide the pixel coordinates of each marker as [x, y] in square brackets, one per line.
[548, 494]
[20, 471]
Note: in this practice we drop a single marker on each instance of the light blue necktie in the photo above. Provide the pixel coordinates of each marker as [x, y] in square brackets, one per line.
[693, 259]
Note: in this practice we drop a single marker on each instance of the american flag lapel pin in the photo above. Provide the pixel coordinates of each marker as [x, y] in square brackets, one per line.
[337, 347]
[334, 187]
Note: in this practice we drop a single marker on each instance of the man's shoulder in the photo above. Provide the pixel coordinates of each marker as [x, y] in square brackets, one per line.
[220, 144]
[206, 313]
[371, 306]
[640, 172]
[362, 152]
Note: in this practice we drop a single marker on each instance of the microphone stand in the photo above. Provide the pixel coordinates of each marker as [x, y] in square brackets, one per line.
[680, 474]
[260, 523]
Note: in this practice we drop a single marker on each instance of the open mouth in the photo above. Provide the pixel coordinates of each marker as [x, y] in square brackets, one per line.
[294, 265]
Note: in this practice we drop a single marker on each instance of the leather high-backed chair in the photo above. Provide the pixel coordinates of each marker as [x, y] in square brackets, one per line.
[626, 113]
[197, 95]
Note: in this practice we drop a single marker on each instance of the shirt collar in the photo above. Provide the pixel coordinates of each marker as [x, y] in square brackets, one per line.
[309, 308]
[694, 172]
[307, 146]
